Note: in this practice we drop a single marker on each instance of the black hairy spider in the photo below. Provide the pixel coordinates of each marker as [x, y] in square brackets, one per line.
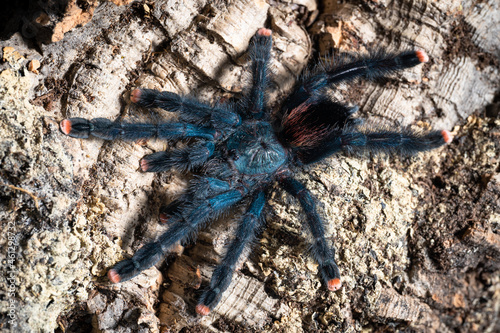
[240, 151]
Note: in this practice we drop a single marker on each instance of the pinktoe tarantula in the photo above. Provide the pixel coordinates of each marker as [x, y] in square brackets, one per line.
[240, 151]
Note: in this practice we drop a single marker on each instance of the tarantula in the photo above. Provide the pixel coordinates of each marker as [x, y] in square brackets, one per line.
[240, 150]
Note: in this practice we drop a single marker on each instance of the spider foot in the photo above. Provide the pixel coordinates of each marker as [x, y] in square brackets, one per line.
[202, 309]
[182, 159]
[264, 32]
[170, 213]
[334, 284]
[331, 275]
[79, 128]
[146, 164]
[422, 56]
[144, 97]
[135, 95]
[113, 276]
[208, 301]
[121, 272]
[263, 43]
[147, 256]
[447, 136]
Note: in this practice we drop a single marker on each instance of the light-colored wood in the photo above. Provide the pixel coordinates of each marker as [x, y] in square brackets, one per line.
[96, 207]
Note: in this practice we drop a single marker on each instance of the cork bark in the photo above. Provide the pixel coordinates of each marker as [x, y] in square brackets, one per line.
[417, 238]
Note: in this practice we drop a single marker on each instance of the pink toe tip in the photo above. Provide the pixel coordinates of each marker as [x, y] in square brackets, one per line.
[65, 126]
[135, 95]
[202, 309]
[144, 165]
[264, 32]
[334, 284]
[113, 276]
[422, 56]
[447, 136]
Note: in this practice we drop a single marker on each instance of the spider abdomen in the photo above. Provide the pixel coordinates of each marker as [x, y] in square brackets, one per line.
[255, 149]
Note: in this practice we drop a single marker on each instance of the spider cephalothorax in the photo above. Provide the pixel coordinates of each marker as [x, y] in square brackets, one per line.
[240, 151]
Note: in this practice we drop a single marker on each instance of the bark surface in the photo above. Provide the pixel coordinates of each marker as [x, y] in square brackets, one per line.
[417, 239]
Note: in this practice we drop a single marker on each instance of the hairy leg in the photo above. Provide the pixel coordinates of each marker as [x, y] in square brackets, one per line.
[181, 159]
[190, 109]
[181, 229]
[404, 141]
[200, 187]
[322, 253]
[369, 67]
[223, 273]
[111, 130]
[260, 54]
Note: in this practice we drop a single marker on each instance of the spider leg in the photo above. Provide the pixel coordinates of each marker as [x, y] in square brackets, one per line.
[310, 87]
[370, 67]
[180, 230]
[201, 187]
[222, 275]
[322, 253]
[190, 109]
[260, 54]
[181, 159]
[111, 130]
[172, 210]
[404, 141]
[208, 186]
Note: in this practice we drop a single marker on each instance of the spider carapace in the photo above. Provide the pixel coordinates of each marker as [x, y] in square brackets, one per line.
[239, 151]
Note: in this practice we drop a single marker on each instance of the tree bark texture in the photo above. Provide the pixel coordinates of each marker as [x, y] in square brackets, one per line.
[417, 239]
